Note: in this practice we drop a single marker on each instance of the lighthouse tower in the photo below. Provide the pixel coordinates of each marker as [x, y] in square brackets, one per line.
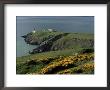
[33, 31]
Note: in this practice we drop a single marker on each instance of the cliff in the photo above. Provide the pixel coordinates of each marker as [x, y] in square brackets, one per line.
[52, 41]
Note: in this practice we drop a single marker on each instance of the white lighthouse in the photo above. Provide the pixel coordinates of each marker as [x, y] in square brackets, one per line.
[33, 31]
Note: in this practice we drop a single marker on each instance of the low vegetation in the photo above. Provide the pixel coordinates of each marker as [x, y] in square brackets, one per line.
[72, 53]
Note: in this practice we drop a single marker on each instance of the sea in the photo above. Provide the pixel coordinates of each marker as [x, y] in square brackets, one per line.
[26, 24]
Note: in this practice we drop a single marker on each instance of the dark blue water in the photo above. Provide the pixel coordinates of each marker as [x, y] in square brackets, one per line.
[26, 24]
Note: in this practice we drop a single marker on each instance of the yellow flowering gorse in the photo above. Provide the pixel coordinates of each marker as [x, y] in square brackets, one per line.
[70, 60]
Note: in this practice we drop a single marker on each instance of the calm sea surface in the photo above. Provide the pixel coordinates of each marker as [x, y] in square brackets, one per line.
[26, 24]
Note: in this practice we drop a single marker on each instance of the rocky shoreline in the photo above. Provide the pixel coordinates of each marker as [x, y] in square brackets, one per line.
[51, 41]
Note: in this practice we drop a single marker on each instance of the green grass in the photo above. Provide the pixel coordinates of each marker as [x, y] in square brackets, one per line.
[34, 63]
[29, 67]
[43, 34]
[50, 54]
[74, 40]
[40, 36]
[71, 44]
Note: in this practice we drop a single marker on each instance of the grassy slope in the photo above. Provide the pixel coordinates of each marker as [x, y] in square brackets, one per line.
[22, 62]
[49, 65]
[66, 46]
[74, 40]
[40, 36]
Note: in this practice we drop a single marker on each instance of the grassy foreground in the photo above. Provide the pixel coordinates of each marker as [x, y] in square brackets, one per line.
[56, 62]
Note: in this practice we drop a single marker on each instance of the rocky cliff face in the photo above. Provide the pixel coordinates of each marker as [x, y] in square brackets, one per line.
[51, 41]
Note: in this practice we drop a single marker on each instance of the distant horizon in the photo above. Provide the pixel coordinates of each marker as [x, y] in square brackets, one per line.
[63, 23]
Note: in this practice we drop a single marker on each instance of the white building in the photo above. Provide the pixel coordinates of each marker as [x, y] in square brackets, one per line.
[50, 30]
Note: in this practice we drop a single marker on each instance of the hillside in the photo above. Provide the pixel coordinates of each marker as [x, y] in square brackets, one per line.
[54, 40]
[58, 53]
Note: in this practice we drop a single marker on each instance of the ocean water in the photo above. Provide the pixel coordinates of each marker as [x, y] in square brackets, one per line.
[26, 24]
